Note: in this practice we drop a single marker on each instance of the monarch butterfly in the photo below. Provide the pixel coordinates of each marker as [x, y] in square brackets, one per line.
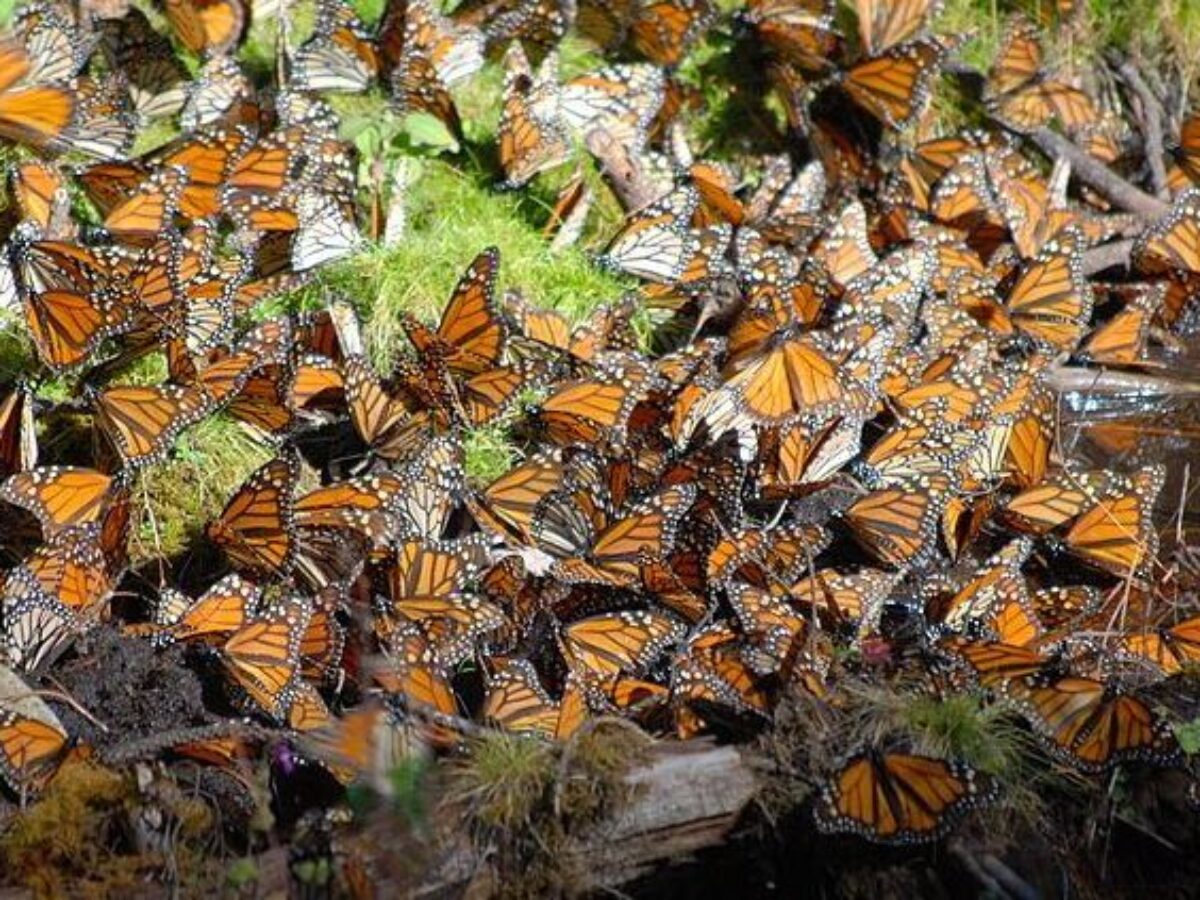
[257, 527]
[996, 600]
[417, 87]
[845, 250]
[145, 57]
[538, 24]
[620, 101]
[764, 558]
[370, 741]
[852, 598]
[1122, 340]
[799, 32]
[38, 628]
[18, 436]
[1172, 244]
[471, 335]
[1020, 94]
[995, 663]
[1057, 606]
[662, 31]
[1187, 151]
[595, 409]
[339, 56]
[60, 496]
[31, 749]
[611, 551]
[776, 630]
[415, 672]
[42, 198]
[144, 422]
[507, 506]
[786, 203]
[659, 245]
[895, 86]
[362, 504]
[1091, 724]
[324, 233]
[1118, 534]
[201, 162]
[217, 613]
[1170, 648]
[898, 525]
[1060, 498]
[384, 422]
[799, 376]
[1052, 300]
[72, 299]
[433, 481]
[263, 657]
[900, 798]
[886, 23]
[711, 674]
[38, 114]
[532, 137]
[517, 701]
[220, 94]
[104, 123]
[606, 327]
[207, 27]
[429, 581]
[616, 643]
[455, 47]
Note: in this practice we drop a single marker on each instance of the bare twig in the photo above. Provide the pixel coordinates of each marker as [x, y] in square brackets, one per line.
[621, 171]
[1099, 381]
[1107, 256]
[154, 744]
[1151, 116]
[1094, 173]
[1007, 878]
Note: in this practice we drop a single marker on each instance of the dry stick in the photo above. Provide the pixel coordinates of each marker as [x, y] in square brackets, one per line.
[1094, 173]
[1107, 256]
[621, 171]
[154, 744]
[1152, 121]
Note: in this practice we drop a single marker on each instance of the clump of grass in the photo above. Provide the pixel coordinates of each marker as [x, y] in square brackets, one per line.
[174, 500]
[489, 454]
[503, 780]
[452, 217]
[530, 801]
[811, 739]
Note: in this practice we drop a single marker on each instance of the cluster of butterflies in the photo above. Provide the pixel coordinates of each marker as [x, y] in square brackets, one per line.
[849, 471]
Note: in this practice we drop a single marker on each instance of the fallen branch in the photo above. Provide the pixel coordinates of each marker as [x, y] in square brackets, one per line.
[1078, 379]
[621, 171]
[686, 797]
[1151, 119]
[1097, 175]
[1107, 256]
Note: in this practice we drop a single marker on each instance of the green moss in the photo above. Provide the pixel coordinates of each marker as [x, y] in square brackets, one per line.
[174, 500]
[503, 780]
[67, 843]
[489, 454]
[452, 217]
[960, 726]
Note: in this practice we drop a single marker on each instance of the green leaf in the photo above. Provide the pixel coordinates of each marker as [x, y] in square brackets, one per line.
[425, 130]
[242, 872]
[1188, 735]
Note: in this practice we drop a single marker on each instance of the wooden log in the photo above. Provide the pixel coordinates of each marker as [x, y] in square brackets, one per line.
[686, 797]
